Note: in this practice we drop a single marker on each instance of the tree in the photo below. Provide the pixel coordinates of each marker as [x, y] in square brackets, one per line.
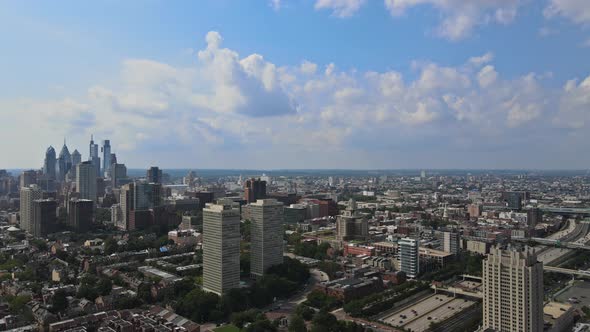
[245, 230]
[59, 301]
[39, 244]
[16, 304]
[245, 264]
[200, 306]
[320, 300]
[297, 324]
[324, 321]
[240, 319]
[110, 246]
[261, 324]
[304, 312]
[104, 286]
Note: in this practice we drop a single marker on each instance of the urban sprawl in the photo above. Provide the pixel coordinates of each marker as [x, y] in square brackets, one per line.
[88, 245]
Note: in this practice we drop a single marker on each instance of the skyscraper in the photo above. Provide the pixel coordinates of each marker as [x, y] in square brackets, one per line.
[80, 214]
[451, 242]
[86, 180]
[533, 217]
[351, 225]
[50, 163]
[266, 247]
[64, 163]
[118, 172]
[147, 195]
[44, 219]
[221, 246]
[76, 158]
[106, 156]
[126, 201]
[93, 156]
[513, 291]
[409, 257]
[27, 196]
[514, 199]
[28, 178]
[254, 189]
[154, 175]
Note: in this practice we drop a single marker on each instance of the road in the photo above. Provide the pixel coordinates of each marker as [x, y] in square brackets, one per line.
[375, 326]
[574, 233]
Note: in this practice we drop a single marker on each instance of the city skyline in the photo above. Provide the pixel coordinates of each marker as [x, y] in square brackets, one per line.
[333, 84]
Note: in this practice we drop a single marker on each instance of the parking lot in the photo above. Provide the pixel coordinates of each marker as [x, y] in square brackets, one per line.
[580, 291]
[435, 308]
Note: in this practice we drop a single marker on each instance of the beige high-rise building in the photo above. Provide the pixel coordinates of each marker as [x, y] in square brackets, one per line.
[351, 224]
[513, 291]
[126, 200]
[266, 233]
[28, 195]
[86, 180]
[221, 246]
[451, 242]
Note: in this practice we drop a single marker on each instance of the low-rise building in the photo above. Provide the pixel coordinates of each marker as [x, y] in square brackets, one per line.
[185, 237]
[558, 317]
[347, 289]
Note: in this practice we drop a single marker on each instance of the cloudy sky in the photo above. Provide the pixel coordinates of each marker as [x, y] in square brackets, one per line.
[299, 83]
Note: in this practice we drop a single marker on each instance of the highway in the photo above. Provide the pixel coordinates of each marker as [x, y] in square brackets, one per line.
[578, 273]
[573, 234]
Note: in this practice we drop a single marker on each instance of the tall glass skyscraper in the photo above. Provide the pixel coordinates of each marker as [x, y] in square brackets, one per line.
[50, 163]
[93, 156]
[106, 156]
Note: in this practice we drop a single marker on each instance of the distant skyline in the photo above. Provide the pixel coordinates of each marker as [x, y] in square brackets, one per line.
[312, 84]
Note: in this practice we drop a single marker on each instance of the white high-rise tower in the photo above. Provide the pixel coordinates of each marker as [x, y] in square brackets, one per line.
[221, 246]
[266, 247]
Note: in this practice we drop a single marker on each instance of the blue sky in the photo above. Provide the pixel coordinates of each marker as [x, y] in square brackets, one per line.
[300, 84]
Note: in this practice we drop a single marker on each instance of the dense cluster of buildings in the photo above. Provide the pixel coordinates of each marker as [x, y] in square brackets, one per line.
[375, 232]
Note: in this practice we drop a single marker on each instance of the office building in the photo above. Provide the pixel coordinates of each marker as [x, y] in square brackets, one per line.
[106, 156]
[474, 210]
[86, 180]
[254, 189]
[80, 214]
[93, 156]
[154, 175]
[27, 196]
[451, 242]
[28, 178]
[534, 216]
[50, 163]
[44, 219]
[514, 199]
[117, 216]
[118, 173]
[76, 158]
[221, 246]
[513, 291]
[351, 225]
[409, 257]
[266, 231]
[126, 201]
[64, 163]
[147, 195]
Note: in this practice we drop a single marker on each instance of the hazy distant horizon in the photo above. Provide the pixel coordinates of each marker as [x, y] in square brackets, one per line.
[178, 172]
